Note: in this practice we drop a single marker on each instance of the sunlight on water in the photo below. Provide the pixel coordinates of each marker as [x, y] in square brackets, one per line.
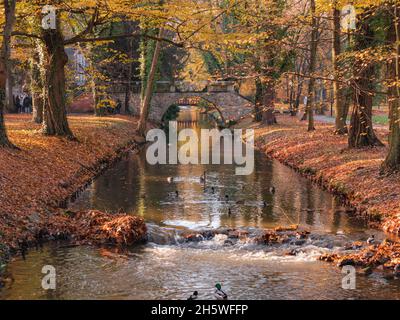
[170, 268]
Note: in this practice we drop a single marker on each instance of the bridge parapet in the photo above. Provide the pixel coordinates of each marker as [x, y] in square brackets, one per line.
[178, 86]
[232, 105]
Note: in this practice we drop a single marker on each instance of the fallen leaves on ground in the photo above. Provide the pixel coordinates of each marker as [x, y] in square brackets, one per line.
[325, 158]
[385, 254]
[36, 180]
[96, 227]
[282, 235]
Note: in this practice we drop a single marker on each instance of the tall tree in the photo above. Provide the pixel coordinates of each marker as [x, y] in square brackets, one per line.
[9, 13]
[37, 88]
[145, 108]
[339, 101]
[392, 161]
[361, 132]
[55, 113]
[54, 61]
[312, 66]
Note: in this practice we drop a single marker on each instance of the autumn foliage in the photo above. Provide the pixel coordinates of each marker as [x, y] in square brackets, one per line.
[96, 227]
[36, 180]
[385, 255]
[325, 158]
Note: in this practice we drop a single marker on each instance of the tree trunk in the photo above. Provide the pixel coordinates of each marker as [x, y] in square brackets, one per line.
[291, 96]
[37, 88]
[145, 109]
[299, 91]
[258, 101]
[9, 13]
[361, 129]
[313, 63]
[268, 116]
[95, 96]
[4, 142]
[300, 81]
[339, 103]
[392, 161]
[128, 88]
[55, 115]
[264, 106]
[10, 105]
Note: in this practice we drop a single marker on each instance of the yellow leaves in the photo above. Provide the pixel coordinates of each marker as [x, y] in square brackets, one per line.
[195, 70]
[105, 103]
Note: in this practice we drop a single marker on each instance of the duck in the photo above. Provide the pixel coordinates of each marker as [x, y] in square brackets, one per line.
[301, 235]
[371, 239]
[272, 190]
[170, 179]
[219, 294]
[194, 296]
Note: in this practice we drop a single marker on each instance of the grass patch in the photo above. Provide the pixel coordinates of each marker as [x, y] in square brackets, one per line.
[381, 119]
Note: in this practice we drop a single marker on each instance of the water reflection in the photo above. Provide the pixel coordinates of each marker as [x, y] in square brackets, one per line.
[135, 187]
[168, 270]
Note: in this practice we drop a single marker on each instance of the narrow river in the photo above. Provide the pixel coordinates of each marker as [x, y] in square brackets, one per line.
[169, 268]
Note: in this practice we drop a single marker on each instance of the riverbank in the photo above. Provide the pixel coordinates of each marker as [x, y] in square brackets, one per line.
[324, 158]
[40, 178]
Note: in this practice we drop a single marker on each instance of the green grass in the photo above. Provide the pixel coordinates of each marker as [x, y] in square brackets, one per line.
[382, 119]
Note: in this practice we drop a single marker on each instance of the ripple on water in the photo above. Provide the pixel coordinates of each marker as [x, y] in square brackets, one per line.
[167, 268]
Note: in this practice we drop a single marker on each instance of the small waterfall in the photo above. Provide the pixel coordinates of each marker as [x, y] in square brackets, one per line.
[246, 242]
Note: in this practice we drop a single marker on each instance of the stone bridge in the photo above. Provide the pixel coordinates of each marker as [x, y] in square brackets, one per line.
[230, 104]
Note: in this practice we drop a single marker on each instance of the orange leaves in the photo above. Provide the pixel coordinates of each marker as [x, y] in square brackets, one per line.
[48, 170]
[392, 224]
[325, 157]
[124, 230]
[96, 227]
[386, 254]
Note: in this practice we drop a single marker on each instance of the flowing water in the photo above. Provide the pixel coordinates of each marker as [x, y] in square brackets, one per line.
[167, 267]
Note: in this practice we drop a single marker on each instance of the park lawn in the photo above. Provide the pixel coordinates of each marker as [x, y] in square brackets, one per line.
[37, 179]
[380, 119]
[326, 159]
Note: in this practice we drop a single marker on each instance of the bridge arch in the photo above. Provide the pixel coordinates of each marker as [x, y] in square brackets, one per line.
[230, 105]
[202, 103]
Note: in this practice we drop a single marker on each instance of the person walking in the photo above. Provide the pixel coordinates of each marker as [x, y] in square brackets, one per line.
[26, 104]
[118, 107]
[17, 102]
